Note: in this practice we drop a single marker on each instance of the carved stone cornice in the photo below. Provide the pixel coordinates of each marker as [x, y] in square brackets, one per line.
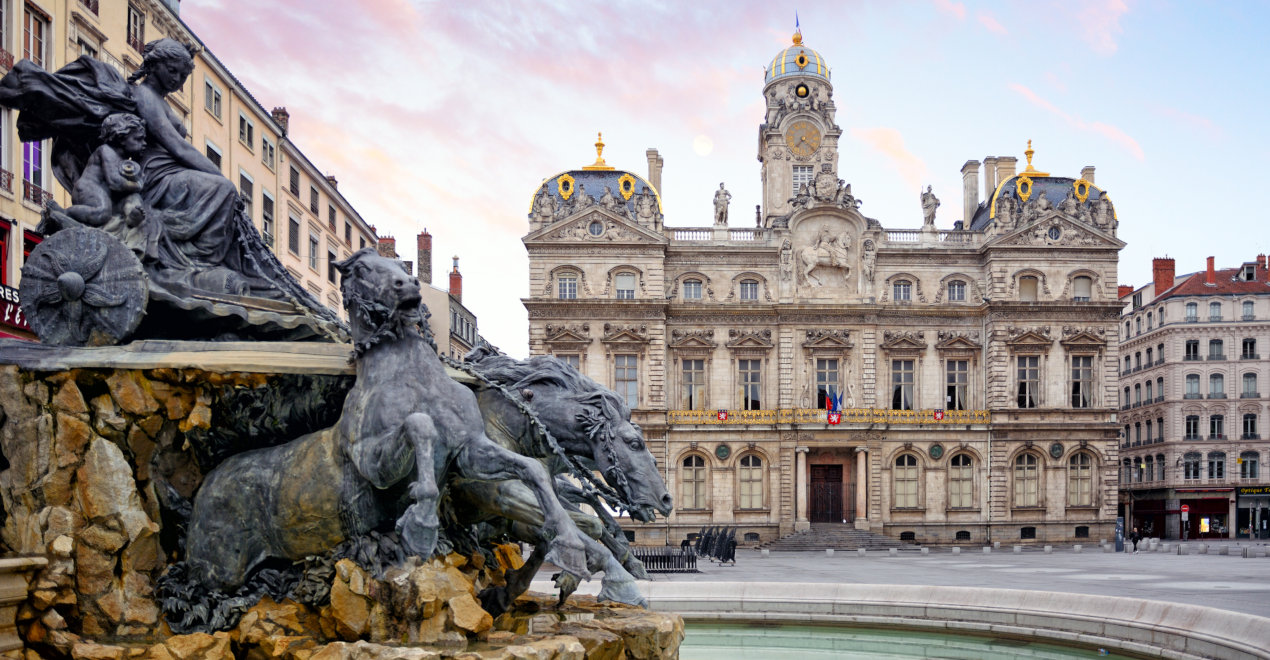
[904, 342]
[827, 340]
[566, 336]
[683, 339]
[1035, 339]
[951, 341]
[759, 340]
[1076, 338]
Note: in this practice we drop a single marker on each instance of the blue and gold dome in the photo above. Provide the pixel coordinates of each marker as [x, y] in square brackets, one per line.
[797, 60]
[594, 182]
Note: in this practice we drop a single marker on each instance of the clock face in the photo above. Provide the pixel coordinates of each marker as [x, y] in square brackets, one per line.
[803, 138]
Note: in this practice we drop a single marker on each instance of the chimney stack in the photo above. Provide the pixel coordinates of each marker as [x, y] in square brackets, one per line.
[1162, 271]
[283, 118]
[969, 190]
[1261, 261]
[1087, 173]
[1210, 277]
[654, 169]
[330, 178]
[1005, 168]
[425, 256]
[387, 247]
[989, 177]
[1123, 290]
[410, 267]
[456, 281]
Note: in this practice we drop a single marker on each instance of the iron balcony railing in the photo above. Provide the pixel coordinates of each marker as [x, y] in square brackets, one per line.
[816, 416]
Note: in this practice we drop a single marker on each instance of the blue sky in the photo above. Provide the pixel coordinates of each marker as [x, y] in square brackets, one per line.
[448, 115]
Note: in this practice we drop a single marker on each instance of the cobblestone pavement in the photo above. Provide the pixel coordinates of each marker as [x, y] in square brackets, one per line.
[1224, 581]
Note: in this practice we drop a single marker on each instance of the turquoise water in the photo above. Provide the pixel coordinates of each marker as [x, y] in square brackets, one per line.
[755, 641]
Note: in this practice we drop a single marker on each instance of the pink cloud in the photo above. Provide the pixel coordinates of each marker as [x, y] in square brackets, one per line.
[1108, 131]
[890, 143]
[952, 8]
[1194, 122]
[1100, 23]
[991, 24]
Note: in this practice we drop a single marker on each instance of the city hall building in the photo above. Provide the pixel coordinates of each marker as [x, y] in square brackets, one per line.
[976, 367]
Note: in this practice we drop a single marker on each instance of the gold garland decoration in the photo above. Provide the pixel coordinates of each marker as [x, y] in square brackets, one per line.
[626, 186]
[801, 60]
[565, 185]
[1021, 183]
[1082, 189]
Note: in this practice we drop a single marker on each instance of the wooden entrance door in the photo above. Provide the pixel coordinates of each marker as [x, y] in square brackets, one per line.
[826, 494]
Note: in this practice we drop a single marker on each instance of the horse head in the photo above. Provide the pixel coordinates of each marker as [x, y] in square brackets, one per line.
[382, 299]
[590, 422]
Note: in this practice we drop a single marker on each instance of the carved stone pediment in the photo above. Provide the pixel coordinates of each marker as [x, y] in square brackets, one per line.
[625, 334]
[753, 339]
[951, 341]
[1054, 229]
[1029, 340]
[836, 341]
[566, 336]
[692, 339]
[900, 341]
[1077, 338]
[613, 228]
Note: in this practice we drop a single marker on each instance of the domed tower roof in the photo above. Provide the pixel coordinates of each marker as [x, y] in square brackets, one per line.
[594, 181]
[797, 60]
[1031, 183]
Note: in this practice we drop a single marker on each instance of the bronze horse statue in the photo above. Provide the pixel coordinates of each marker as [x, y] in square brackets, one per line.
[405, 426]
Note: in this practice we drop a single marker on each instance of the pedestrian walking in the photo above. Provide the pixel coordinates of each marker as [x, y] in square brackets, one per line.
[1134, 537]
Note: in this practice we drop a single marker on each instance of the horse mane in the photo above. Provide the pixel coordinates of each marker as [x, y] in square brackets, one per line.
[538, 370]
[385, 323]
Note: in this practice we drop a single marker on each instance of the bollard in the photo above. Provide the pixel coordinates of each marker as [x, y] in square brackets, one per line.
[1225, 550]
[1018, 549]
[894, 552]
[956, 550]
[1183, 550]
[987, 549]
[862, 552]
[1202, 549]
[1108, 548]
[1077, 548]
[766, 552]
[828, 552]
[926, 551]
[1249, 553]
[1049, 549]
[996, 545]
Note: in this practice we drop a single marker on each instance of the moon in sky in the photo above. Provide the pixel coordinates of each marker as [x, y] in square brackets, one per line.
[703, 145]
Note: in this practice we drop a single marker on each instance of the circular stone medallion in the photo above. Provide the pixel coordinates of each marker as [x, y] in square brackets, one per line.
[723, 452]
[1056, 450]
[936, 451]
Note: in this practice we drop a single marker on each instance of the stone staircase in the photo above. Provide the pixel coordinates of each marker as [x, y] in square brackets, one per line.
[837, 536]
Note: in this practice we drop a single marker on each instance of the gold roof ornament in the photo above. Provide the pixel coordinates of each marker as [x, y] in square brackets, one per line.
[599, 155]
[1032, 171]
[798, 38]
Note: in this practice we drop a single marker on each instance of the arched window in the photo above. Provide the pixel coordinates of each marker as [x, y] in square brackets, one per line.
[1126, 471]
[567, 286]
[905, 482]
[1250, 427]
[1026, 480]
[1080, 480]
[1216, 465]
[1216, 386]
[1192, 312]
[1190, 431]
[692, 480]
[1250, 386]
[1138, 324]
[1159, 389]
[1214, 311]
[1248, 465]
[1148, 388]
[1247, 311]
[1027, 288]
[1216, 427]
[1216, 350]
[624, 286]
[692, 289]
[1192, 386]
[902, 290]
[1190, 465]
[956, 291]
[751, 482]
[1150, 322]
[1150, 359]
[749, 290]
[1150, 471]
[1082, 289]
[1137, 394]
[1159, 467]
[961, 482]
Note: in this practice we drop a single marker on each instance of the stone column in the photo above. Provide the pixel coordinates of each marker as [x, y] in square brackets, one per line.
[861, 488]
[801, 524]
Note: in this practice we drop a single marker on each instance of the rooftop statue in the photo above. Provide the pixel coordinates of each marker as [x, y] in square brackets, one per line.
[152, 219]
[929, 203]
[721, 200]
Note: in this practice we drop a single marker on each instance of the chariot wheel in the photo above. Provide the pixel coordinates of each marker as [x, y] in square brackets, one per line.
[83, 287]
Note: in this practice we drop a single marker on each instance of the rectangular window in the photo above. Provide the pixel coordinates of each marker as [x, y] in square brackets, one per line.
[624, 286]
[1250, 426]
[961, 482]
[957, 374]
[903, 290]
[33, 166]
[827, 381]
[1192, 428]
[267, 151]
[749, 290]
[1027, 288]
[1249, 351]
[1250, 386]
[314, 246]
[694, 384]
[330, 217]
[573, 360]
[211, 98]
[1216, 427]
[266, 217]
[86, 48]
[331, 272]
[751, 473]
[293, 235]
[1191, 350]
[313, 200]
[1192, 312]
[246, 132]
[348, 234]
[6, 233]
[1029, 381]
[1083, 381]
[901, 384]
[136, 29]
[956, 291]
[802, 174]
[626, 379]
[1216, 465]
[1216, 350]
[567, 287]
[245, 190]
[35, 36]
[213, 154]
[692, 289]
[295, 182]
[750, 373]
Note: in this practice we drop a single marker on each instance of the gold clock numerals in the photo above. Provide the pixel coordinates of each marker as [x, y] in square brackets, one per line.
[802, 138]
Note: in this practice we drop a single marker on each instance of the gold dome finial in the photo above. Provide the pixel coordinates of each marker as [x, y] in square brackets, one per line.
[798, 38]
[1031, 170]
[599, 154]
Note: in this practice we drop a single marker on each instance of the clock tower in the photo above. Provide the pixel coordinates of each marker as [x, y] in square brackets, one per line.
[798, 138]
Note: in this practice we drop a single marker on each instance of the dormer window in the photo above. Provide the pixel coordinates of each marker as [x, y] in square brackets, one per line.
[956, 291]
[903, 290]
[1027, 288]
[1248, 273]
[624, 286]
[692, 289]
[1082, 289]
[749, 290]
[567, 287]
